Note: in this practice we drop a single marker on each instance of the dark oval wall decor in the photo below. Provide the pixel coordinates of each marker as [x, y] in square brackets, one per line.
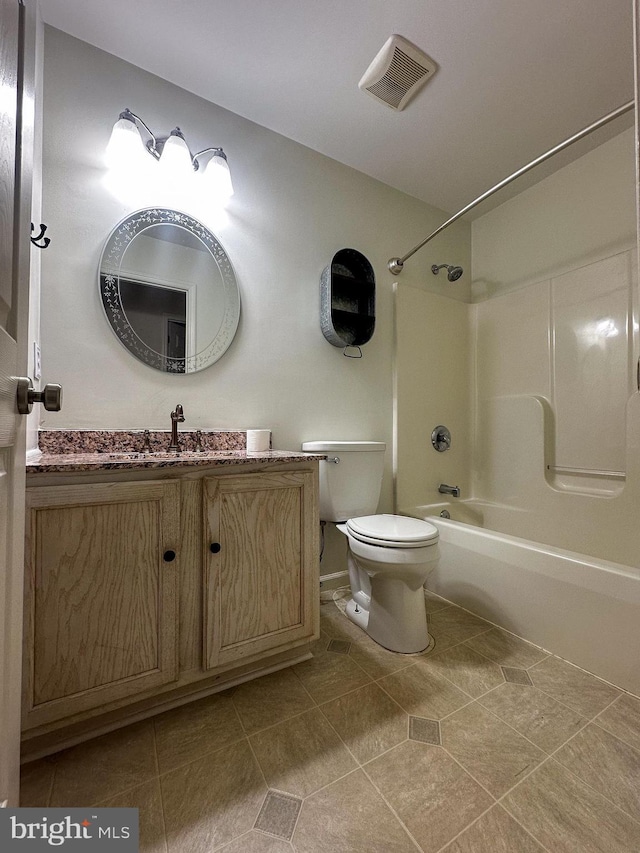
[348, 299]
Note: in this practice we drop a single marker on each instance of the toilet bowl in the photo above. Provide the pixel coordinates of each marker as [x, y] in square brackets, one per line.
[389, 556]
[389, 559]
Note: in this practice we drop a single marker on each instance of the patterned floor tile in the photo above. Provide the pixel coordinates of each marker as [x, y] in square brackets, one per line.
[328, 676]
[337, 626]
[339, 647]
[607, 764]
[585, 693]
[279, 814]
[256, 842]
[268, 700]
[431, 756]
[147, 798]
[426, 731]
[514, 675]
[213, 800]
[368, 721]
[423, 693]
[535, 715]
[302, 754]
[507, 650]
[492, 752]
[495, 832]
[100, 768]
[452, 625]
[377, 661]
[440, 800]
[36, 780]
[349, 816]
[623, 719]
[189, 732]
[468, 670]
[434, 602]
[567, 816]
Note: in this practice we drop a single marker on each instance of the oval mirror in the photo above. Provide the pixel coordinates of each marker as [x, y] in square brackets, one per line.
[169, 291]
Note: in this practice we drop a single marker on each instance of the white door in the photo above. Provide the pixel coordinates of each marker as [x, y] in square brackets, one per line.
[16, 152]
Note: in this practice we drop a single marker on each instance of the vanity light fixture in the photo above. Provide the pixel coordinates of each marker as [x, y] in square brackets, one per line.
[172, 154]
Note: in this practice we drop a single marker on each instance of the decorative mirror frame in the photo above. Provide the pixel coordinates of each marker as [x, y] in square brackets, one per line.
[115, 247]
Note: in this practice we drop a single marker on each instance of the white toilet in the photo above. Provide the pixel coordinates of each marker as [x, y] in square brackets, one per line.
[390, 556]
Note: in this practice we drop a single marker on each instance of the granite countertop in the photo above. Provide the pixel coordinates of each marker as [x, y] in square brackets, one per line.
[91, 450]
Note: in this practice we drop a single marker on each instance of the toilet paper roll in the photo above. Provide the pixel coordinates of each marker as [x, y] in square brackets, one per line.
[258, 440]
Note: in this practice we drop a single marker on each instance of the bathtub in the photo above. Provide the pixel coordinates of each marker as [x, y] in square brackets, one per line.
[583, 609]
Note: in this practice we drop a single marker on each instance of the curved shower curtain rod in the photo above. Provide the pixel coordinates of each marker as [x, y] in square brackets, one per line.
[396, 264]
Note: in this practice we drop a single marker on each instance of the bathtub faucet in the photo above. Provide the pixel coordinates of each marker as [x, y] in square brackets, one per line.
[454, 491]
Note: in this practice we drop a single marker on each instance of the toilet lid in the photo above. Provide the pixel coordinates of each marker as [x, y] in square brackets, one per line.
[397, 531]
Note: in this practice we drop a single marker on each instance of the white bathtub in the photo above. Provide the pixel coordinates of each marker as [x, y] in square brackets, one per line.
[583, 609]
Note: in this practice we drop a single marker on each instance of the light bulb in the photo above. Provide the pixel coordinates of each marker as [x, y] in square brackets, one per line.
[217, 177]
[125, 145]
[175, 160]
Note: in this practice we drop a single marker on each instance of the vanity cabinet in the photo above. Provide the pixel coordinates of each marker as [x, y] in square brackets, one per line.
[258, 593]
[101, 592]
[143, 593]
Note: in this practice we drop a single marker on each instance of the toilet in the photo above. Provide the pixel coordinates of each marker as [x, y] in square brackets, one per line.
[389, 556]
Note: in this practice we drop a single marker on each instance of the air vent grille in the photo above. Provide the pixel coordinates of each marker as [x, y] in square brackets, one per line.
[403, 73]
[397, 72]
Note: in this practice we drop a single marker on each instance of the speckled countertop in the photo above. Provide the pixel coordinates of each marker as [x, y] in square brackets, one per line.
[90, 450]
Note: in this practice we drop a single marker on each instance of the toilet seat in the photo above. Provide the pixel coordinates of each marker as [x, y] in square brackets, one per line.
[392, 531]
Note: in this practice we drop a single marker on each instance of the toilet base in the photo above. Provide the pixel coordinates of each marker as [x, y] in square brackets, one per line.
[387, 593]
[357, 614]
[410, 640]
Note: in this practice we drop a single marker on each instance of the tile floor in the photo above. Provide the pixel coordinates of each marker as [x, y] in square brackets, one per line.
[485, 745]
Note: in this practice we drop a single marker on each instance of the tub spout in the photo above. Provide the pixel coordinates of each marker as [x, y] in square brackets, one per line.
[454, 491]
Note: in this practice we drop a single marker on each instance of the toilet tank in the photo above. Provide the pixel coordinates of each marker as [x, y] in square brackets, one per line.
[350, 486]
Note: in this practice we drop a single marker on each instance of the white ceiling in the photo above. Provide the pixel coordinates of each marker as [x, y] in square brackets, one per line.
[514, 77]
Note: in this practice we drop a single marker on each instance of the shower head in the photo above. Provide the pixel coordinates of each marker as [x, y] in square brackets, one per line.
[453, 273]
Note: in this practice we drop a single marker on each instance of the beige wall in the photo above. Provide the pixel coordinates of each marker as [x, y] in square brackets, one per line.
[581, 213]
[433, 363]
[292, 210]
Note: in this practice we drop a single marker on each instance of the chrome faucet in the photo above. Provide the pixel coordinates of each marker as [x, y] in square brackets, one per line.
[454, 491]
[176, 418]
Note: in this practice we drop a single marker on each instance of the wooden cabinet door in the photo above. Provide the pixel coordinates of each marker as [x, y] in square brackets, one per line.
[261, 564]
[101, 595]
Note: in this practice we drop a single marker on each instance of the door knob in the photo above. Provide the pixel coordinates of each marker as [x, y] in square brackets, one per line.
[26, 396]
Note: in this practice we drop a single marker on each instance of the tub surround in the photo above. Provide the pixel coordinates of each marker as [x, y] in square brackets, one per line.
[119, 450]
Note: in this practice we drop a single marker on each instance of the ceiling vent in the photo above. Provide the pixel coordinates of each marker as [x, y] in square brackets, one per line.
[397, 73]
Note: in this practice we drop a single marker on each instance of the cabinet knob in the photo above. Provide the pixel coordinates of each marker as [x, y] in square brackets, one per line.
[214, 547]
[169, 556]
